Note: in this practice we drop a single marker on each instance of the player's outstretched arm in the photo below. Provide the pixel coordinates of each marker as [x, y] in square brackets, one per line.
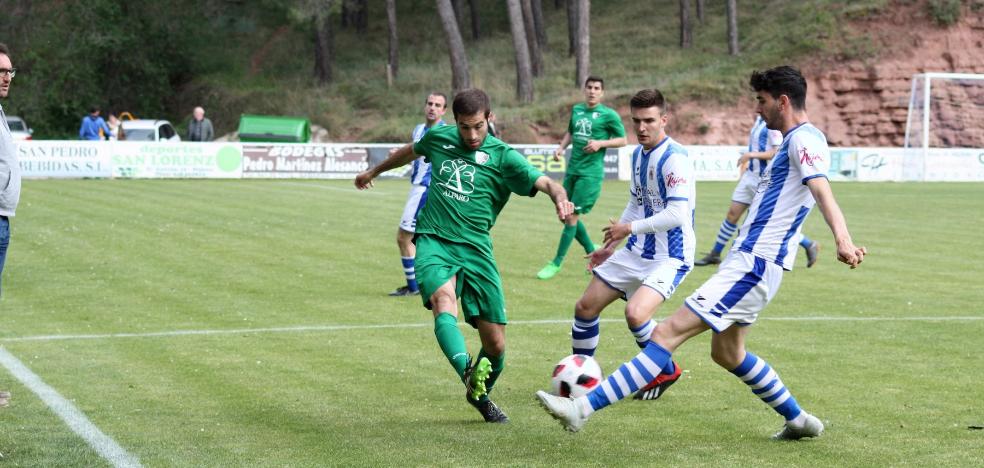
[400, 157]
[847, 252]
[556, 193]
[559, 152]
[596, 145]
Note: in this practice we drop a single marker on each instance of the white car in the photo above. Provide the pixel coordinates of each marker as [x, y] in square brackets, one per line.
[148, 130]
[18, 128]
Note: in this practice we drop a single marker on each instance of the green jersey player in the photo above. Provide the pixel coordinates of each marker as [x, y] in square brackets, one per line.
[593, 128]
[472, 177]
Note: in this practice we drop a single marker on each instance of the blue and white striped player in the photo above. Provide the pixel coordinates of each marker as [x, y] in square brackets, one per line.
[762, 145]
[420, 174]
[730, 301]
[658, 221]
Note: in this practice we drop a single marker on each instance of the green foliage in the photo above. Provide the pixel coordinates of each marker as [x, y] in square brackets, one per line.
[346, 376]
[945, 12]
[161, 60]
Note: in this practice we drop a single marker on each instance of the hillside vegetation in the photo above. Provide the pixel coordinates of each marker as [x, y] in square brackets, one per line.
[255, 57]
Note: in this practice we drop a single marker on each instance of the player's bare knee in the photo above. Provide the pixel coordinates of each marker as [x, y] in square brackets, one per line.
[636, 315]
[585, 309]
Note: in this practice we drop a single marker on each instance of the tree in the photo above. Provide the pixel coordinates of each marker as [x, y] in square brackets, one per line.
[700, 12]
[473, 7]
[324, 46]
[732, 27]
[539, 26]
[356, 13]
[393, 60]
[583, 53]
[524, 72]
[686, 29]
[572, 27]
[536, 58]
[456, 47]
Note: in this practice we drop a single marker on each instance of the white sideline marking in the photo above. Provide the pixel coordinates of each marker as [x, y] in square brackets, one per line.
[76, 421]
[319, 328]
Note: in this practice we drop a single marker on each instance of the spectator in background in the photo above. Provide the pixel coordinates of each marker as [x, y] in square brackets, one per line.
[115, 127]
[200, 128]
[93, 126]
[10, 176]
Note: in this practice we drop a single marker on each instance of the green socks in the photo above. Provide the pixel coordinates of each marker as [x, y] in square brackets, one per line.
[566, 238]
[452, 342]
[583, 238]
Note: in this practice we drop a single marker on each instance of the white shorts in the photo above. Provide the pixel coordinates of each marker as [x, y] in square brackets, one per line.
[740, 289]
[746, 188]
[415, 201]
[626, 272]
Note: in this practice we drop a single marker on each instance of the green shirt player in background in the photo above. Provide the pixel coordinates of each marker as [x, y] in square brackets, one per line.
[593, 128]
[472, 176]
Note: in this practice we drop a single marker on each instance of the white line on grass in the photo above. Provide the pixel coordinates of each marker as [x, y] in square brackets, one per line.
[350, 189]
[76, 421]
[321, 328]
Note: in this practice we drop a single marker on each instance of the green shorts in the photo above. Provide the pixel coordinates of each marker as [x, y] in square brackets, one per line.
[477, 287]
[582, 191]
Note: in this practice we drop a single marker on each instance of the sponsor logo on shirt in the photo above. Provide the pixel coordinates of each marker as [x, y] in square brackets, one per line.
[460, 179]
[807, 158]
[672, 180]
[583, 127]
[448, 146]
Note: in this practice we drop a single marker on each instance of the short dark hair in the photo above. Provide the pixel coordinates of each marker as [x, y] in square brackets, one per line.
[4, 49]
[438, 93]
[596, 79]
[94, 109]
[471, 101]
[648, 98]
[781, 80]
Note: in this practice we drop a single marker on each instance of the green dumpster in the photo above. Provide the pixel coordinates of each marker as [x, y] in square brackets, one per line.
[275, 129]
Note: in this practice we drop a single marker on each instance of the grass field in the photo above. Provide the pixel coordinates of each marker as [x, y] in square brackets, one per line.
[246, 323]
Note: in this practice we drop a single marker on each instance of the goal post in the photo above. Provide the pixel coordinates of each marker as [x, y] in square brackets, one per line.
[945, 111]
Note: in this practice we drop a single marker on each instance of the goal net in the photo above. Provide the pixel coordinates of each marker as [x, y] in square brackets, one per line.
[946, 113]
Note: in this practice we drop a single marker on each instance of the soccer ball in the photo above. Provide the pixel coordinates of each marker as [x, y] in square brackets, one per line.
[576, 375]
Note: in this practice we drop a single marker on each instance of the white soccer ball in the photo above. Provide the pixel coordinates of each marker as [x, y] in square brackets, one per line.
[576, 375]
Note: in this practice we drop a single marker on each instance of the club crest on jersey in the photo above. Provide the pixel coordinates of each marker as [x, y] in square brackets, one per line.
[807, 158]
[460, 179]
[481, 157]
[594, 115]
[672, 180]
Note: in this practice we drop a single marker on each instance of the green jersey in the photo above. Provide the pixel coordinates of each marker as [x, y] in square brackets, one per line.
[469, 188]
[597, 123]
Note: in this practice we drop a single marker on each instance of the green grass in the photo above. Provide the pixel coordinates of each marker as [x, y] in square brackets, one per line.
[96, 257]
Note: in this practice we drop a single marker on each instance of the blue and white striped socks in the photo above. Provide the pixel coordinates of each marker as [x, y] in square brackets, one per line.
[630, 377]
[765, 383]
[724, 235]
[584, 336]
[642, 332]
[410, 273]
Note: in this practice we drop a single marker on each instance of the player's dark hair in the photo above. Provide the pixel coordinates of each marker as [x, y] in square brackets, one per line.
[4, 49]
[596, 79]
[436, 93]
[781, 80]
[648, 98]
[471, 101]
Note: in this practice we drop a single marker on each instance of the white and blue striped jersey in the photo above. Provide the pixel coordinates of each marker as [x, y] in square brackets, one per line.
[783, 200]
[420, 170]
[761, 139]
[660, 175]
